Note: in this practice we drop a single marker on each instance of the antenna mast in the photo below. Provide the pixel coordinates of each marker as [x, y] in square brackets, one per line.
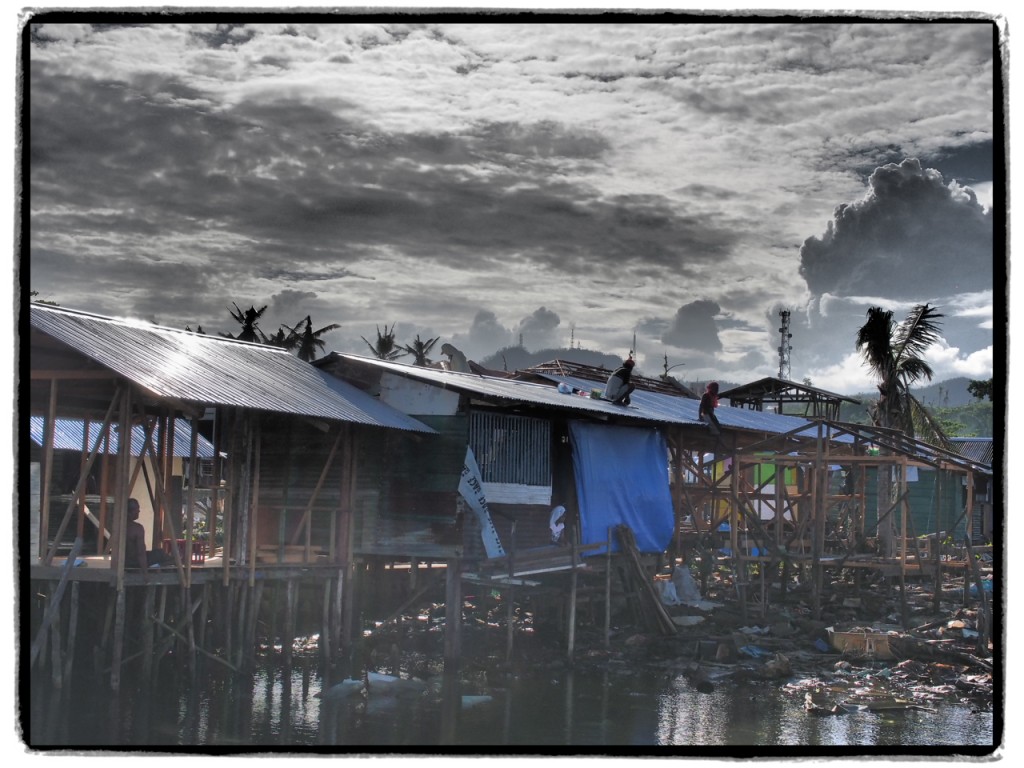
[784, 347]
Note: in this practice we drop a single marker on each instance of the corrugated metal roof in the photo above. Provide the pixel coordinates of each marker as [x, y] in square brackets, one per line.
[68, 433]
[645, 406]
[213, 370]
[979, 449]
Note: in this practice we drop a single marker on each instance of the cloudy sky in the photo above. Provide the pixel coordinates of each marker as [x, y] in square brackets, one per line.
[489, 182]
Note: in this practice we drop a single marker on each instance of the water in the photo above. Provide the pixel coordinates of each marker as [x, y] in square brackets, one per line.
[585, 710]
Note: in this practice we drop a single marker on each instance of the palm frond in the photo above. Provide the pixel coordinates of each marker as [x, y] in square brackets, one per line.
[917, 332]
[874, 339]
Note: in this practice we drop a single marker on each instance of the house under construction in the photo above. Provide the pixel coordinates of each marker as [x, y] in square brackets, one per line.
[278, 489]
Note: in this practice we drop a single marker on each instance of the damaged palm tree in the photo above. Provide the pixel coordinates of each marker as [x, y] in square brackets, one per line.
[895, 354]
[385, 348]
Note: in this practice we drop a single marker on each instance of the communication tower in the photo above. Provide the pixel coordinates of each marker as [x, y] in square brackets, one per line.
[784, 347]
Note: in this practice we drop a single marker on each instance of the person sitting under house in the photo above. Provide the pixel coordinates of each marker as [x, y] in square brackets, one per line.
[706, 410]
[135, 539]
[136, 556]
[619, 386]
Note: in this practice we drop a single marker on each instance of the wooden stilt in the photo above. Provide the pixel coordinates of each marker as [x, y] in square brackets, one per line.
[115, 667]
[204, 611]
[56, 663]
[72, 631]
[336, 613]
[291, 609]
[147, 633]
[254, 616]
[228, 622]
[244, 593]
[325, 625]
[453, 615]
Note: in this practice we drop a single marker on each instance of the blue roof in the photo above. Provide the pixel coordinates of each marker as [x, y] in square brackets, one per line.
[68, 435]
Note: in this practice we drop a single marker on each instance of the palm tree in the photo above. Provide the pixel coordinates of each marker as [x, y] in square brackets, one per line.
[894, 354]
[307, 341]
[249, 321]
[420, 349]
[283, 340]
[385, 348]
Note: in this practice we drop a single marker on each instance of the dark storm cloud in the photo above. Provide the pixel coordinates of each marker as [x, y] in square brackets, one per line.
[694, 328]
[296, 182]
[539, 329]
[910, 238]
[485, 333]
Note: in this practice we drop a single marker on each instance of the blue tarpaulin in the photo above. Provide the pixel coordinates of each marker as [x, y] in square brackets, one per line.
[622, 479]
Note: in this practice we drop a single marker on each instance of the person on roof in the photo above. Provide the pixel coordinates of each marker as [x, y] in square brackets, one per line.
[706, 410]
[619, 386]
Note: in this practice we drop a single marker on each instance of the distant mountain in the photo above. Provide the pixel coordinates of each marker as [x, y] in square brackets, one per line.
[950, 393]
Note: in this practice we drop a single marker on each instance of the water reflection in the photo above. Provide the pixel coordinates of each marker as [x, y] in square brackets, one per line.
[279, 706]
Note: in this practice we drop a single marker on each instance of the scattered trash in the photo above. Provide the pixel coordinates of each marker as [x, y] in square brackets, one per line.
[755, 630]
[863, 643]
[754, 651]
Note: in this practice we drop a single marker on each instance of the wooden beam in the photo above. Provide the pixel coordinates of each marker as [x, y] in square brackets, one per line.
[69, 374]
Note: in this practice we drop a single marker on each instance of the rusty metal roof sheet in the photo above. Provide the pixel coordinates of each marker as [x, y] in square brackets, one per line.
[212, 370]
[68, 435]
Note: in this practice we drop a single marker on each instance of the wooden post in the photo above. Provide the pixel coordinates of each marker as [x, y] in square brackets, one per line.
[54, 607]
[254, 615]
[819, 508]
[147, 633]
[72, 632]
[739, 569]
[56, 664]
[290, 613]
[986, 612]
[453, 615]
[204, 611]
[340, 643]
[251, 510]
[510, 597]
[115, 667]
